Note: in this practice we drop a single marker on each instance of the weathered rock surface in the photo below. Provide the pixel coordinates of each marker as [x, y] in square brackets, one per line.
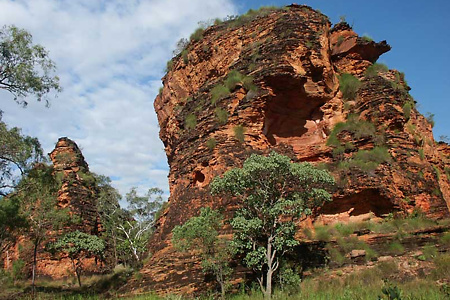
[79, 195]
[294, 59]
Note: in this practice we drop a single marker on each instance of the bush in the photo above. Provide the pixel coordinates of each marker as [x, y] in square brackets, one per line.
[357, 128]
[169, 66]
[219, 92]
[233, 78]
[349, 85]
[430, 118]
[197, 35]
[367, 38]
[211, 143]
[374, 69]
[184, 55]
[191, 121]
[222, 115]
[407, 110]
[396, 247]
[239, 133]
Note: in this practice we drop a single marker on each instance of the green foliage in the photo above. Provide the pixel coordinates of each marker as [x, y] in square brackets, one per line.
[222, 115]
[25, 69]
[340, 40]
[202, 234]
[191, 121]
[17, 152]
[239, 133]
[169, 66]
[184, 55]
[233, 78]
[78, 245]
[197, 35]
[218, 92]
[391, 292]
[18, 271]
[396, 247]
[211, 143]
[349, 85]
[374, 69]
[272, 193]
[430, 118]
[251, 15]
[407, 110]
[357, 128]
[366, 160]
[367, 38]
[138, 225]
[11, 221]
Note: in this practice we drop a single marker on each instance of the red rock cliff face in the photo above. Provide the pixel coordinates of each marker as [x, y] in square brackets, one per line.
[294, 58]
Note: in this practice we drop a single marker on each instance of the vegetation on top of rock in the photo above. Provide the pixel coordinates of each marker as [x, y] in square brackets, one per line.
[239, 133]
[273, 193]
[197, 35]
[374, 69]
[191, 121]
[348, 85]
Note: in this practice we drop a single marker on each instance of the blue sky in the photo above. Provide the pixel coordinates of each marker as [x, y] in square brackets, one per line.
[111, 55]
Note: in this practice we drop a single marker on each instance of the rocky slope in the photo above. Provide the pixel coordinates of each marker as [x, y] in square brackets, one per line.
[287, 99]
[78, 194]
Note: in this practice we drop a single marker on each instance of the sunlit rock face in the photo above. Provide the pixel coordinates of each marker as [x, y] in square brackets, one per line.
[294, 58]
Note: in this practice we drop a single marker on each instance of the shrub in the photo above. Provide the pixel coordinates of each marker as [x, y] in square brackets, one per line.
[233, 78]
[445, 238]
[430, 118]
[429, 251]
[248, 84]
[184, 55]
[367, 38]
[374, 69]
[322, 233]
[357, 128]
[396, 247]
[407, 110]
[191, 121]
[222, 115]
[349, 85]
[169, 66]
[340, 40]
[219, 92]
[211, 143]
[239, 133]
[197, 35]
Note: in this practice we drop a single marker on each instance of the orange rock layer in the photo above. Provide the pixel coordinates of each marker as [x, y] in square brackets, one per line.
[294, 58]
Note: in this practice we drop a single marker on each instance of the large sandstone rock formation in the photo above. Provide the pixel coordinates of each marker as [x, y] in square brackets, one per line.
[294, 59]
[78, 194]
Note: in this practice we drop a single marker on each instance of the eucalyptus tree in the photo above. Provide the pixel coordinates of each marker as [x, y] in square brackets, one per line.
[273, 193]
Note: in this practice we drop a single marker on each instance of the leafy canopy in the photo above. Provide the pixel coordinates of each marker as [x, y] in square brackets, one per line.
[272, 193]
[25, 68]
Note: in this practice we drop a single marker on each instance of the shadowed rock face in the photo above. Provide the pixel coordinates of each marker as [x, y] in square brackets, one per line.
[294, 58]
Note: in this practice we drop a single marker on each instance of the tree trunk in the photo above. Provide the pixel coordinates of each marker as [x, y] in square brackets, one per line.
[33, 272]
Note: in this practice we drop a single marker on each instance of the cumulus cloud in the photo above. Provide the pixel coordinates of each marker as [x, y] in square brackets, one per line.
[110, 57]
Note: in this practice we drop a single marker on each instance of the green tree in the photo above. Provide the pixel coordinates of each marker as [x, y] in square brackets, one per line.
[78, 246]
[111, 214]
[18, 154]
[10, 221]
[273, 193]
[25, 68]
[37, 194]
[138, 226]
[202, 234]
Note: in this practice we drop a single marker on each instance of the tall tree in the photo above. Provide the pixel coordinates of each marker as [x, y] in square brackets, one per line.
[137, 228]
[37, 194]
[25, 68]
[111, 214]
[273, 193]
[202, 234]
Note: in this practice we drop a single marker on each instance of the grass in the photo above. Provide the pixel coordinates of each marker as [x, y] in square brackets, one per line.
[239, 133]
[197, 35]
[218, 92]
[191, 121]
[349, 85]
[211, 143]
[407, 109]
[374, 69]
[221, 115]
[357, 128]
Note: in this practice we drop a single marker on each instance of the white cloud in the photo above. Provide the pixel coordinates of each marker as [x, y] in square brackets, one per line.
[110, 56]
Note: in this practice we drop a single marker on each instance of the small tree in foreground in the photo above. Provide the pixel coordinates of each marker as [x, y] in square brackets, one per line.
[78, 245]
[202, 234]
[273, 193]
